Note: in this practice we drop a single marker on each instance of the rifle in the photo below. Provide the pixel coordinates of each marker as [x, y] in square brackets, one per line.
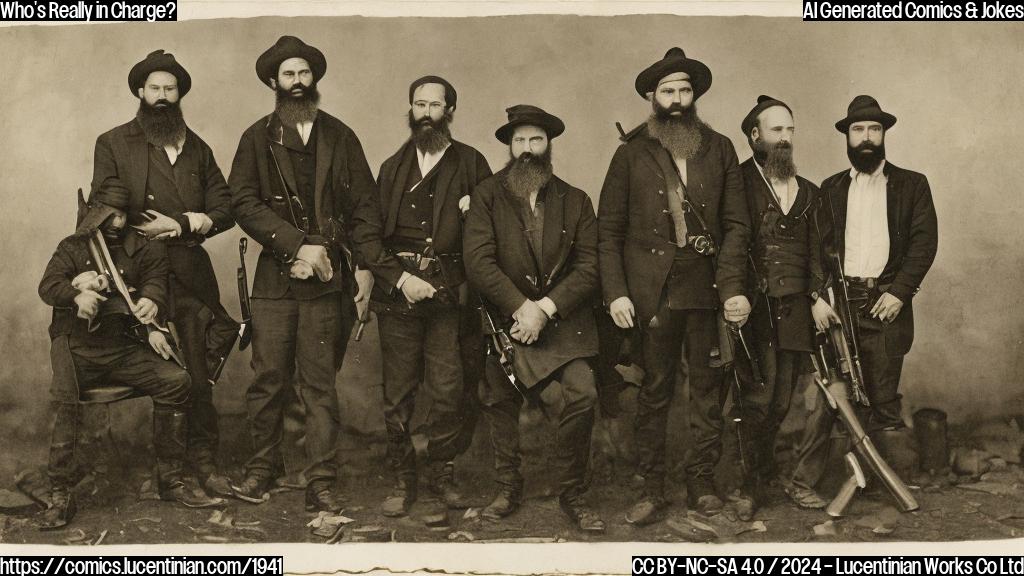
[501, 345]
[244, 335]
[834, 389]
[105, 264]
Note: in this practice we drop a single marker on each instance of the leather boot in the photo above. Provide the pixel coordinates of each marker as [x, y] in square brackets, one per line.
[170, 435]
[401, 498]
[506, 502]
[320, 497]
[254, 489]
[62, 509]
[442, 484]
[701, 496]
[581, 514]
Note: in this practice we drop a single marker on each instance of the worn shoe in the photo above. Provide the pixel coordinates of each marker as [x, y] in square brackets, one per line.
[62, 509]
[744, 504]
[581, 514]
[443, 486]
[218, 484]
[189, 496]
[701, 497]
[805, 498]
[647, 510]
[254, 489]
[506, 502]
[400, 500]
[322, 498]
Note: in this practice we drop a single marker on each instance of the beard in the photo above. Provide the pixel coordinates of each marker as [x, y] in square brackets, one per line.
[297, 108]
[162, 122]
[776, 159]
[680, 135]
[429, 136]
[528, 173]
[865, 157]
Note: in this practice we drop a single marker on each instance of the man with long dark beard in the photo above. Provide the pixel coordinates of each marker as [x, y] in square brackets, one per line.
[531, 251]
[414, 248]
[177, 195]
[788, 282]
[298, 178]
[672, 207]
[878, 220]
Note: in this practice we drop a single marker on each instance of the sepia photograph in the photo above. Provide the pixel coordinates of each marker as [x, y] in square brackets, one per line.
[450, 275]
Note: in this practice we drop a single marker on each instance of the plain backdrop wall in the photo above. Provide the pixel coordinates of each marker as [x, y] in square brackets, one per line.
[954, 87]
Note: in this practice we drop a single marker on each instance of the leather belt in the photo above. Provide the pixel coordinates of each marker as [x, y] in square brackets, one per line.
[869, 283]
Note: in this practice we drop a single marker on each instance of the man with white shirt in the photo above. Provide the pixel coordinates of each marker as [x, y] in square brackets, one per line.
[413, 245]
[177, 195]
[788, 280]
[297, 180]
[879, 220]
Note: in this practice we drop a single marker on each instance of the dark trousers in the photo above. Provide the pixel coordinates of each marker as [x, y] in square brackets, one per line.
[295, 337]
[473, 353]
[123, 363]
[662, 344]
[882, 379]
[762, 409]
[421, 355]
[204, 337]
[501, 406]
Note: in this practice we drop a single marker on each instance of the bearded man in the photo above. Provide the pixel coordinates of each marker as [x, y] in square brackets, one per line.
[674, 230]
[178, 195]
[531, 251]
[413, 245]
[297, 180]
[879, 222]
[788, 283]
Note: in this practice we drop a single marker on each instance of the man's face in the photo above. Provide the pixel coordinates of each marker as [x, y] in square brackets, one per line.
[428, 101]
[293, 76]
[774, 125]
[160, 89]
[526, 138]
[865, 131]
[674, 96]
[114, 224]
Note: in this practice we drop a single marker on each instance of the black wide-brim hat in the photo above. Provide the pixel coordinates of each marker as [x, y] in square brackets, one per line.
[864, 108]
[158, 61]
[526, 115]
[763, 103]
[675, 60]
[106, 202]
[289, 47]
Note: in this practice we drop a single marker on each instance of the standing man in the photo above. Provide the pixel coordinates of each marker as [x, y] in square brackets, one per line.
[879, 222]
[413, 245]
[97, 341]
[531, 251]
[177, 194]
[671, 207]
[788, 277]
[297, 179]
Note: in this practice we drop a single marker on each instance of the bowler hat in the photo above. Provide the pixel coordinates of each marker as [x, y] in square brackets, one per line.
[158, 61]
[675, 60]
[763, 103]
[524, 114]
[450, 95]
[865, 108]
[289, 47]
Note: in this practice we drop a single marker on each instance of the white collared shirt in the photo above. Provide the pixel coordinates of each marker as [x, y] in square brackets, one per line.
[785, 191]
[867, 224]
[427, 161]
[304, 129]
[173, 151]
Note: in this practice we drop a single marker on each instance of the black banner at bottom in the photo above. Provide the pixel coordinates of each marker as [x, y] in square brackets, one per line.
[132, 565]
[839, 565]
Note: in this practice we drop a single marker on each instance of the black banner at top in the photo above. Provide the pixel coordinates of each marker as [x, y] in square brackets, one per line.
[912, 10]
[89, 10]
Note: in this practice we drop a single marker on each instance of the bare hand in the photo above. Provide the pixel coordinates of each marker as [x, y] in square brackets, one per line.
[887, 308]
[523, 334]
[622, 312]
[160, 345]
[90, 280]
[736, 309]
[199, 222]
[145, 310]
[417, 289]
[531, 318]
[301, 270]
[316, 256]
[823, 315]
[158, 225]
[88, 303]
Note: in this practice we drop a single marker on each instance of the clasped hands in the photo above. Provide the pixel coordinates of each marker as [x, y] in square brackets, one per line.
[530, 319]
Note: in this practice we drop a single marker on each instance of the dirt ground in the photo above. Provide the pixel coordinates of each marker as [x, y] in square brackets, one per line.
[988, 504]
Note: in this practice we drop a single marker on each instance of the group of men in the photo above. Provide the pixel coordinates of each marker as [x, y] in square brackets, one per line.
[684, 235]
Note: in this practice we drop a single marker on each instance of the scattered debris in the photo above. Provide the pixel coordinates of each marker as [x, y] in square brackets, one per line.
[527, 540]
[373, 533]
[246, 524]
[327, 525]
[436, 520]
[216, 539]
[970, 461]
[147, 519]
[471, 513]
[146, 491]
[882, 530]
[16, 502]
[755, 526]
[998, 464]
[692, 530]
[221, 518]
[825, 529]
[461, 535]
[994, 488]
[76, 537]
[100, 539]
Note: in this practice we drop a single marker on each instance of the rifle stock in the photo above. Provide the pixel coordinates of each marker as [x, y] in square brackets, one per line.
[245, 330]
[856, 480]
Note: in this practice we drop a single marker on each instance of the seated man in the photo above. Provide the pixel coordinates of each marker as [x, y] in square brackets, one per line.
[530, 247]
[92, 345]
